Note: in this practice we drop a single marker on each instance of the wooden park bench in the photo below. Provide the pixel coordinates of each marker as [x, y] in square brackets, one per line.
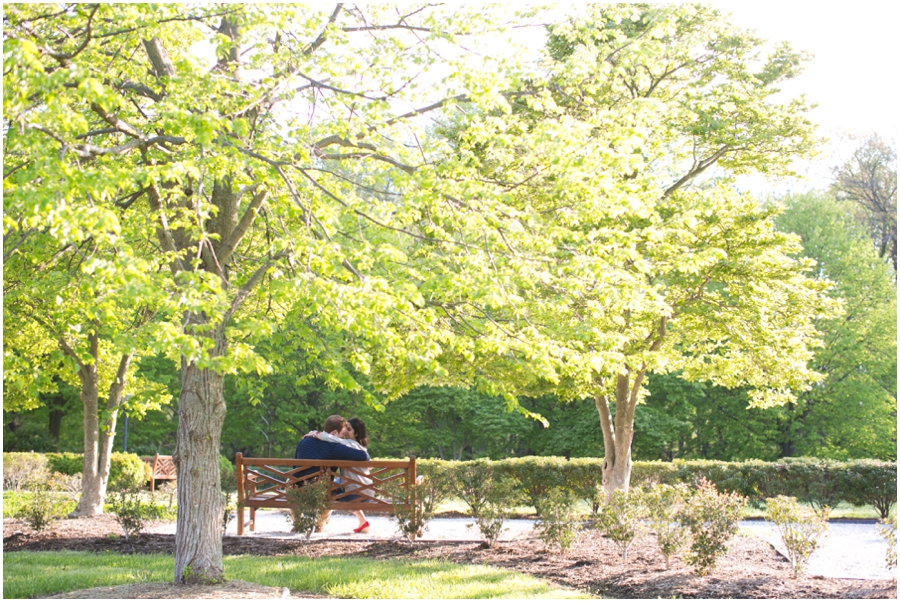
[263, 482]
[162, 468]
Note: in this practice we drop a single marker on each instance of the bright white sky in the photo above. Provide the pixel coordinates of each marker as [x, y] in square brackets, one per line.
[853, 77]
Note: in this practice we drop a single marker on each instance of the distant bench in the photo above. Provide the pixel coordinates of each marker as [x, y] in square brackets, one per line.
[262, 483]
[162, 468]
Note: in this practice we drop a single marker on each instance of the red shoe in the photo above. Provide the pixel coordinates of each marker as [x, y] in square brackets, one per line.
[363, 528]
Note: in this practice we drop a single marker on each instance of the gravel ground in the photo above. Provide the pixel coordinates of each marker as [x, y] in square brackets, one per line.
[850, 549]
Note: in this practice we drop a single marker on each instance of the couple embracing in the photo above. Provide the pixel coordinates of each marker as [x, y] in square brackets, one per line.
[340, 440]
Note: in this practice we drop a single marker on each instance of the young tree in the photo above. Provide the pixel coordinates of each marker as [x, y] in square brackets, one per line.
[68, 318]
[869, 180]
[653, 268]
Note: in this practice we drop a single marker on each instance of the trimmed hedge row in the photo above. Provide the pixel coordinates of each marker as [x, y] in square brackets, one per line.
[812, 480]
[125, 470]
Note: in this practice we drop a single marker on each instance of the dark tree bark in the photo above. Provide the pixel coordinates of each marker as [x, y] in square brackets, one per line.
[869, 180]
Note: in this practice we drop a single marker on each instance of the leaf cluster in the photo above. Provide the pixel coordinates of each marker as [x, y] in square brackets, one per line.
[712, 519]
[307, 505]
[800, 528]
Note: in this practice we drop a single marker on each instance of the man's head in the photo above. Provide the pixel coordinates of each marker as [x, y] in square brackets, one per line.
[334, 425]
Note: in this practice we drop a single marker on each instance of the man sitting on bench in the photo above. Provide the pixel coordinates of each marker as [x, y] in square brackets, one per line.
[311, 448]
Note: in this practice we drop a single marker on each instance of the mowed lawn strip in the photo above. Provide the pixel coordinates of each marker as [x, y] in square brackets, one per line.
[38, 574]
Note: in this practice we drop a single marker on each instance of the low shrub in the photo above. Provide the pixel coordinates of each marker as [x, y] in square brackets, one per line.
[228, 484]
[22, 467]
[620, 518]
[131, 510]
[155, 506]
[411, 508]
[712, 519]
[308, 505]
[227, 478]
[536, 476]
[126, 470]
[888, 529]
[871, 482]
[799, 527]
[437, 483]
[815, 481]
[13, 501]
[664, 504]
[70, 484]
[168, 491]
[585, 478]
[557, 522]
[66, 463]
[42, 509]
[490, 493]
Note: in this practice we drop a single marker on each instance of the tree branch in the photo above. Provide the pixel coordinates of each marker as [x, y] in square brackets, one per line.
[118, 385]
[162, 232]
[698, 168]
[159, 58]
[314, 45]
[63, 58]
[251, 283]
[234, 239]
[117, 124]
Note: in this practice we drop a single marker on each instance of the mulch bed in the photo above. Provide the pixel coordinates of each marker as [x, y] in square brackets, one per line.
[751, 568]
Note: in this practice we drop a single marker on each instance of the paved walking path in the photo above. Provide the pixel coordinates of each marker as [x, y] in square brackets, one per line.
[850, 549]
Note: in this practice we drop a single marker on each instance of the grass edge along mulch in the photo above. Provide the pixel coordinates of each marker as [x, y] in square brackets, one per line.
[40, 574]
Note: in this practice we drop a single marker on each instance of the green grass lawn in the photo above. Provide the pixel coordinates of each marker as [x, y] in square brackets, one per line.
[38, 574]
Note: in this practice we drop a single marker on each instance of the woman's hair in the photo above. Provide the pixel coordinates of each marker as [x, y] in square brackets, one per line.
[359, 428]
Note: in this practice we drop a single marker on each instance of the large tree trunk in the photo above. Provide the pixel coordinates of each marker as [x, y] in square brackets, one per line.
[618, 432]
[201, 413]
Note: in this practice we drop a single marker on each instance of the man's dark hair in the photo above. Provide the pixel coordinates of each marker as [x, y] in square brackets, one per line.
[334, 423]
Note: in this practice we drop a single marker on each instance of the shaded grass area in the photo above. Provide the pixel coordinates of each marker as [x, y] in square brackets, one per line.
[38, 574]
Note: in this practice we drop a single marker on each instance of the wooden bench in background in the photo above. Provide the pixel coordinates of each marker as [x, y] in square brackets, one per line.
[162, 468]
[262, 482]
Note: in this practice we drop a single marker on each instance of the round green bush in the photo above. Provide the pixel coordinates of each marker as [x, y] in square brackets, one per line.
[66, 463]
[126, 470]
[226, 475]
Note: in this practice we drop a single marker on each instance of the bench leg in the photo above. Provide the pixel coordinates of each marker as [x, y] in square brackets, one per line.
[253, 519]
[240, 517]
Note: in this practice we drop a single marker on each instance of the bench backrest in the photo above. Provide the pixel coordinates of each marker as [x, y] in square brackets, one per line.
[262, 482]
[162, 467]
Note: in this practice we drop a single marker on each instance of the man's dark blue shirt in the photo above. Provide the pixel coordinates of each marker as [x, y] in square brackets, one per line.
[311, 448]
